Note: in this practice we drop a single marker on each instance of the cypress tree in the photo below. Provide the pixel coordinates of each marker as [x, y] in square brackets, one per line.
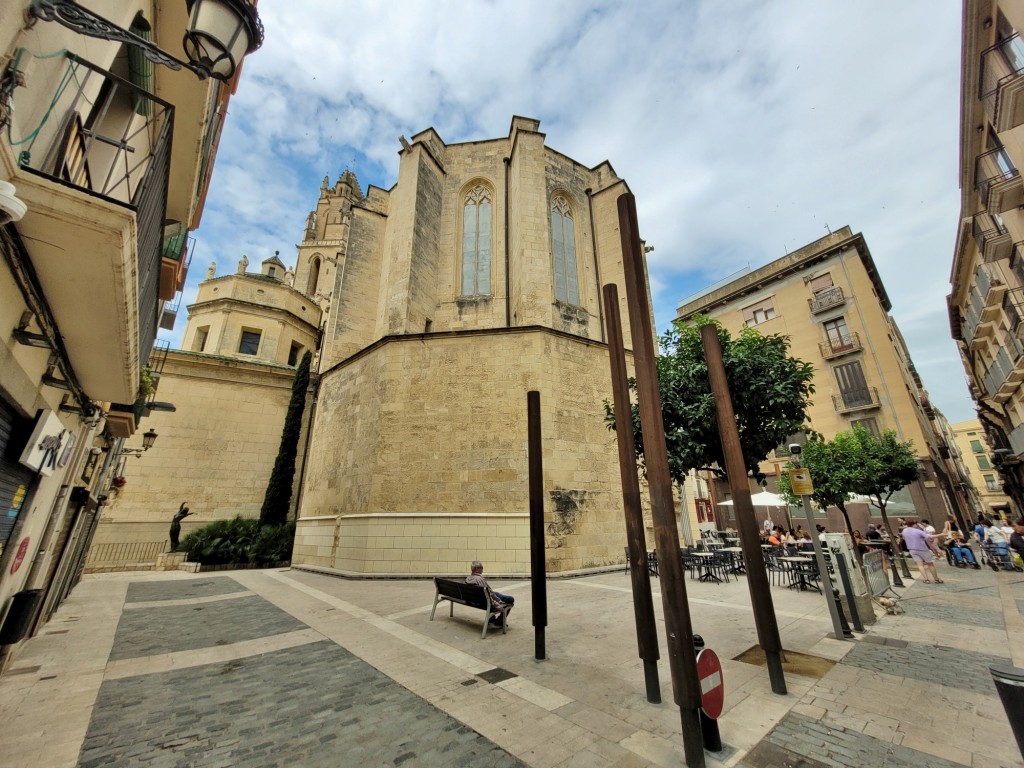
[279, 489]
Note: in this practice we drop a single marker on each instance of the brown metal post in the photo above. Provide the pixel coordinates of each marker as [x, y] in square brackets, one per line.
[678, 630]
[538, 576]
[743, 509]
[643, 604]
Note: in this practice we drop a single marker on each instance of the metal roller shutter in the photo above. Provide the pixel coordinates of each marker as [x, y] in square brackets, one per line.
[15, 479]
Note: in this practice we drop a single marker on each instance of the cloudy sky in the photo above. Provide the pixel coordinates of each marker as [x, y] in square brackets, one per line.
[745, 128]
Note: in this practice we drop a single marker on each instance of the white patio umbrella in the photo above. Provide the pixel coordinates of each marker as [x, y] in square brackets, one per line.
[764, 499]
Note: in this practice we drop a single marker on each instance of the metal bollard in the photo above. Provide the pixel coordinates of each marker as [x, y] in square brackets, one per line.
[1010, 686]
[708, 725]
[851, 598]
[842, 616]
[896, 581]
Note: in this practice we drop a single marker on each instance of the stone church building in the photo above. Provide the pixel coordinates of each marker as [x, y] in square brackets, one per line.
[434, 307]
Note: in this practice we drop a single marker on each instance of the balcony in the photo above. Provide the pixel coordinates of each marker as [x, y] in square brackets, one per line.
[1001, 86]
[1016, 438]
[997, 181]
[856, 400]
[992, 289]
[990, 234]
[827, 299]
[92, 163]
[842, 346]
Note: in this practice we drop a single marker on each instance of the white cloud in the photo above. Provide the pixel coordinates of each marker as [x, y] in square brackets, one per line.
[744, 128]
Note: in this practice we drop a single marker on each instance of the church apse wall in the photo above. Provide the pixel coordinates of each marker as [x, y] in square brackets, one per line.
[417, 461]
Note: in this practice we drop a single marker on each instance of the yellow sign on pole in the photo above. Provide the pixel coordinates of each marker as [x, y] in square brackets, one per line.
[800, 481]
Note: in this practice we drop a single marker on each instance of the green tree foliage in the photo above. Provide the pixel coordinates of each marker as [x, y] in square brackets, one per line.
[887, 466]
[770, 392]
[836, 468]
[279, 489]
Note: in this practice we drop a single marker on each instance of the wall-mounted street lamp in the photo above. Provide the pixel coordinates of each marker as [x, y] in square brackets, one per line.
[148, 438]
[220, 33]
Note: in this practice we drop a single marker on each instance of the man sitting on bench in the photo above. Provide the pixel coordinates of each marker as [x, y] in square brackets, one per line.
[498, 600]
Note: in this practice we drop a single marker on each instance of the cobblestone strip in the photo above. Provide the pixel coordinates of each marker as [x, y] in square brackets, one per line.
[192, 626]
[924, 608]
[831, 745]
[317, 706]
[148, 591]
[929, 663]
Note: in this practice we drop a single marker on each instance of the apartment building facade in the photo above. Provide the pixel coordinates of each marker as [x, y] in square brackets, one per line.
[983, 483]
[104, 165]
[828, 298]
[986, 301]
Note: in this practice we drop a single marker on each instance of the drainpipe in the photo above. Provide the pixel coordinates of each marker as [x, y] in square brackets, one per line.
[597, 265]
[508, 278]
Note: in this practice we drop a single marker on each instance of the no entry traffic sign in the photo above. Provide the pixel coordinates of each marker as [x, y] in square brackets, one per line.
[712, 688]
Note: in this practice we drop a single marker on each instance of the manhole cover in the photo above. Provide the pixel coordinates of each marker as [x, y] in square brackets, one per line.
[792, 661]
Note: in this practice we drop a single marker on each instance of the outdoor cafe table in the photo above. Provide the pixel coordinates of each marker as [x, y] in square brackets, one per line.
[801, 582]
[707, 575]
[737, 560]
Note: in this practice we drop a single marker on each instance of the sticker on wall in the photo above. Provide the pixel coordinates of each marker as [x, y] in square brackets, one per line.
[19, 556]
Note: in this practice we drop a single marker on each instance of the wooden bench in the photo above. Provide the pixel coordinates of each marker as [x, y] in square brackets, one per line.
[471, 596]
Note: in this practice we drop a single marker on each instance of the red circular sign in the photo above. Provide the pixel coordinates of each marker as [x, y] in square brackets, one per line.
[19, 556]
[712, 688]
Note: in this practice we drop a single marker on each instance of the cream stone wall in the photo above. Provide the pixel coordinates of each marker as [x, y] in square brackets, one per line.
[215, 452]
[404, 543]
[225, 306]
[461, 451]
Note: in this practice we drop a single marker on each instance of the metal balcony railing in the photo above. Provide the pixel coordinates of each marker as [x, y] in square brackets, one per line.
[991, 168]
[86, 128]
[834, 347]
[856, 399]
[970, 324]
[998, 372]
[830, 297]
[992, 485]
[1000, 64]
[991, 235]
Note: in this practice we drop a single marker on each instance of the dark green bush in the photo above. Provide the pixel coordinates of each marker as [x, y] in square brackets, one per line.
[239, 541]
[273, 544]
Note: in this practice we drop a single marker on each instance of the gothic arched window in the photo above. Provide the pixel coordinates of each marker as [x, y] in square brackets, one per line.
[563, 248]
[314, 275]
[476, 242]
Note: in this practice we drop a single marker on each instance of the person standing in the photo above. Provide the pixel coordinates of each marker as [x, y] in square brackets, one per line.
[498, 600]
[1016, 543]
[917, 541]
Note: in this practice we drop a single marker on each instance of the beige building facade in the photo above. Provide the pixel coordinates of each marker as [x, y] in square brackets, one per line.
[986, 301]
[105, 159]
[230, 386]
[974, 456]
[473, 280]
[828, 298]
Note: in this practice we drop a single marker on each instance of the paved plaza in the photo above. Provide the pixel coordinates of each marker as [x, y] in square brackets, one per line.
[295, 668]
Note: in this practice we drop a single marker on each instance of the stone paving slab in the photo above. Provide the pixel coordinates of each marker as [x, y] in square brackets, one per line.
[317, 705]
[801, 741]
[150, 591]
[158, 630]
[968, 669]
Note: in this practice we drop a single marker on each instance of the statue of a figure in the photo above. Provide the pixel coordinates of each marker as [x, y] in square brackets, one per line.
[289, 276]
[180, 515]
[211, 271]
[242, 264]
